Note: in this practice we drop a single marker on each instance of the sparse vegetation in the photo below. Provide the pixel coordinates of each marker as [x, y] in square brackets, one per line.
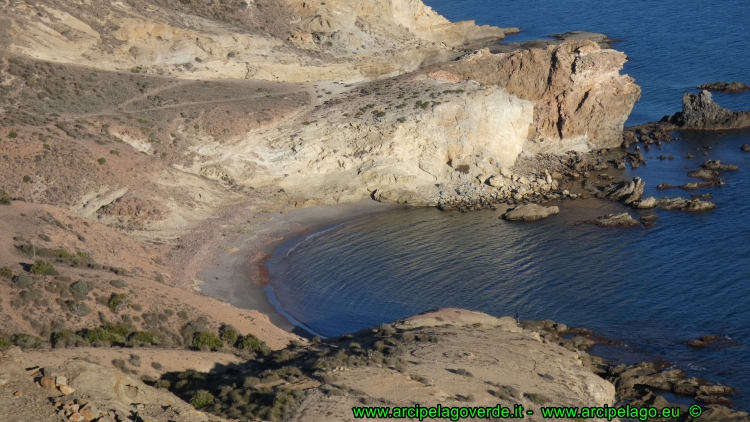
[6, 272]
[5, 198]
[101, 161]
[43, 267]
[118, 302]
[229, 334]
[118, 284]
[77, 308]
[537, 398]
[201, 399]
[207, 340]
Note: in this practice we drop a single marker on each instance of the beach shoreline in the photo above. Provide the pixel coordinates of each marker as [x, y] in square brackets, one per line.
[225, 257]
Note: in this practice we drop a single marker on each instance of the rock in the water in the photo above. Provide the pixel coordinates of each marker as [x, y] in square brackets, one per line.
[725, 86]
[704, 174]
[626, 192]
[745, 148]
[699, 111]
[675, 204]
[530, 212]
[614, 220]
[713, 400]
[716, 165]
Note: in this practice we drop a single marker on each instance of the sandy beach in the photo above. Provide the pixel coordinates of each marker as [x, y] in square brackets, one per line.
[224, 257]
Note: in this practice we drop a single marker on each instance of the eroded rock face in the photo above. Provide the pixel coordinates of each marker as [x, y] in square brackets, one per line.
[401, 155]
[580, 98]
[699, 111]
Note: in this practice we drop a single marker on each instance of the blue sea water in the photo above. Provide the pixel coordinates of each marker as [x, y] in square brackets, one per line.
[653, 289]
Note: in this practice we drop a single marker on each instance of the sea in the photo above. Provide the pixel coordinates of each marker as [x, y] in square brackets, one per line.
[653, 288]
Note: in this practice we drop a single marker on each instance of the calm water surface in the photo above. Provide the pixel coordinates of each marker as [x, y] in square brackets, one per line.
[652, 288]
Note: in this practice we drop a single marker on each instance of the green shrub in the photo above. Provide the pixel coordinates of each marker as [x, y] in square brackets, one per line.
[201, 399]
[140, 338]
[77, 308]
[250, 343]
[26, 341]
[118, 302]
[118, 284]
[64, 338]
[44, 237]
[156, 365]
[80, 288]
[229, 334]
[163, 384]
[536, 398]
[13, 134]
[43, 267]
[207, 339]
[5, 198]
[101, 161]
[6, 272]
[103, 336]
[5, 343]
[23, 281]
[27, 179]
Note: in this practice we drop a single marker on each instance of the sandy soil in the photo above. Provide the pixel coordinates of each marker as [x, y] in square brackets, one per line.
[165, 359]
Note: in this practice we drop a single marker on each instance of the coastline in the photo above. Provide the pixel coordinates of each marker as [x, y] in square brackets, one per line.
[228, 259]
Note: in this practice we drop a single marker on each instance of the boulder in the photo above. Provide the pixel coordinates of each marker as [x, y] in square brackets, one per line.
[48, 383]
[674, 204]
[530, 212]
[704, 174]
[716, 165]
[626, 192]
[715, 390]
[699, 111]
[745, 147]
[713, 400]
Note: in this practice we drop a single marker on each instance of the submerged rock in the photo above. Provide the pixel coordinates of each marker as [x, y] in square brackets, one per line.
[725, 86]
[530, 212]
[613, 220]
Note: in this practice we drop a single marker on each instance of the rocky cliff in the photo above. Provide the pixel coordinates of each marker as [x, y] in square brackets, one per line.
[580, 98]
[409, 138]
